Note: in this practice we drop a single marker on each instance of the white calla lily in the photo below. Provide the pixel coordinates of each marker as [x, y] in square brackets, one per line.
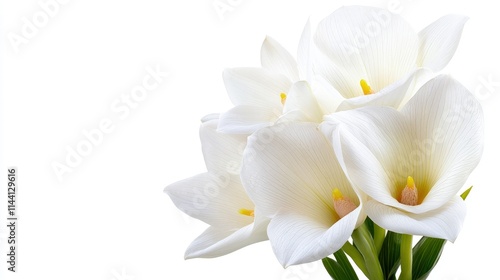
[291, 173]
[373, 57]
[218, 198]
[261, 95]
[412, 163]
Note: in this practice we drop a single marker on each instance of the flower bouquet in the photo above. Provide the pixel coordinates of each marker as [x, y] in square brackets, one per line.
[342, 154]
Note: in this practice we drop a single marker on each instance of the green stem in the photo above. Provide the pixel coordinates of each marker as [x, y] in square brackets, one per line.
[378, 236]
[364, 242]
[406, 257]
[350, 250]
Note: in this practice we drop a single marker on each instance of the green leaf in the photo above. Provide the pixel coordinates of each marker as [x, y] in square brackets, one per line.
[390, 254]
[362, 238]
[466, 193]
[427, 252]
[426, 255]
[370, 226]
[345, 264]
[334, 269]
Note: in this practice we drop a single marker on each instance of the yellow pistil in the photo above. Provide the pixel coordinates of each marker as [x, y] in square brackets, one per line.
[246, 212]
[342, 205]
[283, 98]
[409, 195]
[366, 88]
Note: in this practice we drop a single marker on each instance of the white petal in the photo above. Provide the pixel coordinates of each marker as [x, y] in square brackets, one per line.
[304, 50]
[344, 79]
[216, 242]
[222, 152]
[369, 143]
[392, 95]
[298, 239]
[422, 76]
[246, 119]
[291, 168]
[255, 86]
[327, 96]
[277, 59]
[212, 198]
[444, 222]
[209, 117]
[447, 126]
[370, 43]
[439, 41]
[302, 99]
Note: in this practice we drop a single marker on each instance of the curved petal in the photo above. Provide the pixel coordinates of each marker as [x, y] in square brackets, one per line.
[392, 95]
[447, 125]
[327, 96]
[215, 242]
[370, 43]
[277, 59]
[343, 79]
[291, 167]
[304, 59]
[298, 239]
[369, 143]
[246, 119]
[421, 77]
[209, 117]
[436, 138]
[212, 198]
[439, 41]
[255, 86]
[302, 99]
[444, 222]
[222, 152]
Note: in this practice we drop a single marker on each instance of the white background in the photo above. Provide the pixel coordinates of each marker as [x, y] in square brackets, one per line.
[108, 218]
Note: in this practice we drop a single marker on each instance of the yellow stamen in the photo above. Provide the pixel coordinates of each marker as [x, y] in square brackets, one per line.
[410, 183]
[246, 212]
[409, 195]
[337, 195]
[283, 98]
[342, 205]
[366, 88]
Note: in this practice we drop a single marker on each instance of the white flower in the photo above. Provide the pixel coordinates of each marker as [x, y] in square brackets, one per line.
[412, 163]
[263, 95]
[358, 56]
[291, 173]
[218, 198]
[373, 57]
